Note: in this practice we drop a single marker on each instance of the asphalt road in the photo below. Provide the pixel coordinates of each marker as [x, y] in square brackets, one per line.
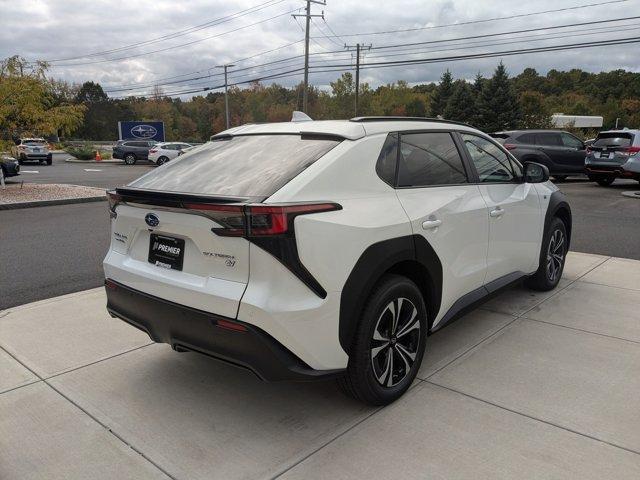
[49, 251]
[104, 175]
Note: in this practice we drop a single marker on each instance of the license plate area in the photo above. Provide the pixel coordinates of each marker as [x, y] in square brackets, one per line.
[166, 252]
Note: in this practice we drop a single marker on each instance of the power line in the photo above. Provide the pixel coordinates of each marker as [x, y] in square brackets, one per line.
[390, 64]
[391, 48]
[127, 57]
[486, 20]
[179, 33]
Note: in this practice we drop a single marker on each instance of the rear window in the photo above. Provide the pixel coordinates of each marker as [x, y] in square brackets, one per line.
[614, 140]
[241, 166]
[34, 142]
[528, 138]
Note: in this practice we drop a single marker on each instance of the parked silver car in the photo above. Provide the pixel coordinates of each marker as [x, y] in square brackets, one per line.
[614, 154]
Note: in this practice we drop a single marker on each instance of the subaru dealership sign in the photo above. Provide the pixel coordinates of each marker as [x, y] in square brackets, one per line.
[141, 131]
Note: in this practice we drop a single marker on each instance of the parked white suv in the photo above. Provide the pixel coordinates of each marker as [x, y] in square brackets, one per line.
[330, 248]
[32, 150]
[161, 153]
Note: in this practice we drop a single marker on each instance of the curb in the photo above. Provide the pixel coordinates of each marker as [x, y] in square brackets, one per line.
[632, 194]
[75, 160]
[48, 203]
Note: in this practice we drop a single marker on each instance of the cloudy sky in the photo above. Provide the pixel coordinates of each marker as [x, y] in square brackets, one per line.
[130, 46]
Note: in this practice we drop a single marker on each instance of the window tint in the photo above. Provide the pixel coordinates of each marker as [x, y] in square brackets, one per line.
[613, 140]
[136, 144]
[251, 165]
[549, 139]
[571, 141]
[386, 166]
[429, 159]
[492, 164]
[528, 138]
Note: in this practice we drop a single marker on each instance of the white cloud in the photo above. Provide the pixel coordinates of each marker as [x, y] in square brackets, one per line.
[48, 29]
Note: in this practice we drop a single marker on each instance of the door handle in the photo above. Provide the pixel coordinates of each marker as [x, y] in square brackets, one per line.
[429, 224]
[496, 212]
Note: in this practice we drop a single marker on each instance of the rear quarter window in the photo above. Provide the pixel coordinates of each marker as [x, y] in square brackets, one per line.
[614, 140]
[239, 166]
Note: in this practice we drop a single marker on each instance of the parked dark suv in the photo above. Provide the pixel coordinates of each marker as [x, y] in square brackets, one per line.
[132, 150]
[561, 152]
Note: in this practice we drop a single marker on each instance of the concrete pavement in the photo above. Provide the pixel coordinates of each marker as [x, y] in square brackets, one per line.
[532, 385]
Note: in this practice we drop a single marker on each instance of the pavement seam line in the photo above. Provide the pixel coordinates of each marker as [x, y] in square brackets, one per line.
[94, 418]
[109, 429]
[328, 442]
[613, 337]
[611, 286]
[20, 386]
[513, 319]
[98, 361]
[531, 417]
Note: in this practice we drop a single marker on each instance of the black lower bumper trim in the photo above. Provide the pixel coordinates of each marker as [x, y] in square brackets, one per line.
[189, 329]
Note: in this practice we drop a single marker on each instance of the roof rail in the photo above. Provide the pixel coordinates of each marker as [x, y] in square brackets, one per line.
[406, 119]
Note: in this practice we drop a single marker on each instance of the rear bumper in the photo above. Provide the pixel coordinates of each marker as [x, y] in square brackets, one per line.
[189, 329]
[629, 169]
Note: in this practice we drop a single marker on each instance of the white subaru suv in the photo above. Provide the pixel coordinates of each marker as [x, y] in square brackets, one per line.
[309, 250]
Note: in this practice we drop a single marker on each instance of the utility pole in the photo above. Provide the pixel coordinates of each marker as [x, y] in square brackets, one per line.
[226, 95]
[308, 16]
[358, 48]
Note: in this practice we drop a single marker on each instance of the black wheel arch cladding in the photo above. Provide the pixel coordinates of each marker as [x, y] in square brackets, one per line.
[378, 259]
[558, 207]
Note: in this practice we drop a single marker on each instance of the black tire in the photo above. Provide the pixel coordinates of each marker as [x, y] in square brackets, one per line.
[560, 178]
[553, 254]
[162, 160]
[605, 181]
[49, 159]
[381, 368]
[130, 159]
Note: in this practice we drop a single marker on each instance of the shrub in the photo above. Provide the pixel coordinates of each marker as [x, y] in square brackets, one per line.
[81, 153]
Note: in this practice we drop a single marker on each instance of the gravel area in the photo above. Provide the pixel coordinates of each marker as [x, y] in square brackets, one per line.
[33, 192]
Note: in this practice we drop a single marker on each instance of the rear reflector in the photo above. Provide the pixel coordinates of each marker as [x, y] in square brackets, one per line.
[227, 325]
[110, 284]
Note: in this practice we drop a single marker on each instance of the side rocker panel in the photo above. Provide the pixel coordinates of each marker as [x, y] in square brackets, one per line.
[372, 264]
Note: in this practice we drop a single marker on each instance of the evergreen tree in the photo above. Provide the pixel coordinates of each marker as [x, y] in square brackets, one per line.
[442, 94]
[461, 106]
[499, 108]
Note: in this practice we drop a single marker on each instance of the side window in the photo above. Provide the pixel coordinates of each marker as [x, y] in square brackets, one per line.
[527, 138]
[386, 165]
[571, 141]
[549, 139]
[492, 164]
[429, 159]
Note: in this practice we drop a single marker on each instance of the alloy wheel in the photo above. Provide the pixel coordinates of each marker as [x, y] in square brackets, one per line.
[395, 342]
[555, 255]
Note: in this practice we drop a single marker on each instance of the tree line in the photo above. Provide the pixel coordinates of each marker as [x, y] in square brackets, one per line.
[495, 103]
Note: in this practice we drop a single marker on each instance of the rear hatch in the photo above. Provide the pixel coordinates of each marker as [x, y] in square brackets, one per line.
[178, 232]
[612, 148]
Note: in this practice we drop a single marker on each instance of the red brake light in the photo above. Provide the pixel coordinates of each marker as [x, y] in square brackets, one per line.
[257, 219]
[153, 150]
[510, 146]
[278, 219]
[632, 150]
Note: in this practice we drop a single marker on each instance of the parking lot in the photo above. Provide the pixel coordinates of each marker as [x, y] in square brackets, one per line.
[530, 385]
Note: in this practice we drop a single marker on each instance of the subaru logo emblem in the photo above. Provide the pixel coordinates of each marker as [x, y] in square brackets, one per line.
[144, 131]
[152, 219]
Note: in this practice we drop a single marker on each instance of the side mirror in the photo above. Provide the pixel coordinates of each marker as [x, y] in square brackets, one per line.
[535, 173]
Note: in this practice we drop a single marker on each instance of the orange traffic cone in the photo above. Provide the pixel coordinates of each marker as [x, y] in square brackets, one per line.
[98, 157]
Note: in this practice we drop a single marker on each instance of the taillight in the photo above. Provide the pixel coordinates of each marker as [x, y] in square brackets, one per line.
[114, 199]
[231, 218]
[278, 219]
[588, 150]
[153, 150]
[257, 220]
[630, 151]
[510, 146]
